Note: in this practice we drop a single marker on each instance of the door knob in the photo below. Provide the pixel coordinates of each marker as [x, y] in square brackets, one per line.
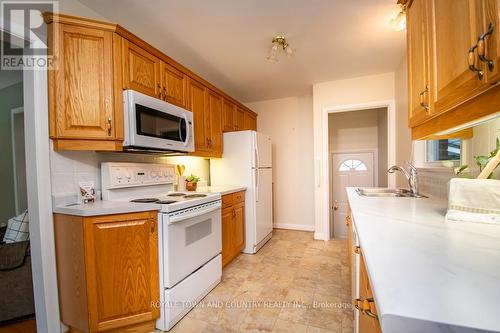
[336, 205]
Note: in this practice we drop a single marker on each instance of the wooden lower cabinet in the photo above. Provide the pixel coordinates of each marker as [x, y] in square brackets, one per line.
[364, 300]
[107, 271]
[233, 226]
[368, 318]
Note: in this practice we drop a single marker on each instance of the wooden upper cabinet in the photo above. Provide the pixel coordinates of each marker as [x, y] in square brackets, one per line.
[82, 110]
[214, 111]
[174, 85]
[228, 116]
[457, 27]
[419, 62]
[197, 105]
[249, 121]
[141, 70]
[491, 40]
[239, 119]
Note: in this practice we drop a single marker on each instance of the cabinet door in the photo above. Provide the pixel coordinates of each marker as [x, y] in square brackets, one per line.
[81, 89]
[197, 105]
[419, 72]
[239, 119]
[367, 324]
[141, 70]
[174, 85]
[228, 115]
[492, 39]
[214, 104]
[457, 26]
[121, 255]
[250, 122]
[227, 232]
[239, 228]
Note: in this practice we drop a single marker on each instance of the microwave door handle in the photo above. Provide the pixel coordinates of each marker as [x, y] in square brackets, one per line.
[188, 131]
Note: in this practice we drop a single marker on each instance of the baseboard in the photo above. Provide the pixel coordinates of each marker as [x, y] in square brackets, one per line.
[302, 227]
[319, 236]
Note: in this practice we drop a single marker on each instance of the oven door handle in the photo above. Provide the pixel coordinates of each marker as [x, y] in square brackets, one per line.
[179, 218]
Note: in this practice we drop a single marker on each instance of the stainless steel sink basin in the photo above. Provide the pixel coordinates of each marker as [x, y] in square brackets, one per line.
[387, 192]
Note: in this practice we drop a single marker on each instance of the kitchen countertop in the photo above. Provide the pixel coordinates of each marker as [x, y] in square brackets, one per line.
[428, 275]
[104, 208]
[122, 207]
[223, 189]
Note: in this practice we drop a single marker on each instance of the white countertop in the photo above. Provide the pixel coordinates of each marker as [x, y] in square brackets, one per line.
[104, 208]
[122, 207]
[222, 189]
[428, 275]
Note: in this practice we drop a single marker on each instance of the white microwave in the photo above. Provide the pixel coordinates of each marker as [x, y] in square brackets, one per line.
[155, 125]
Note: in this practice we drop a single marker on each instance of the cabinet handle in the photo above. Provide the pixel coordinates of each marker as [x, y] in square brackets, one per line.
[348, 220]
[357, 249]
[164, 93]
[160, 94]
[481, 47]
[153, 227]
[472, 63]
[110, 127]
[422, 99]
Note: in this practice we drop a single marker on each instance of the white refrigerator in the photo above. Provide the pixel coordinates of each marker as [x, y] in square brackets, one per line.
[247, 161]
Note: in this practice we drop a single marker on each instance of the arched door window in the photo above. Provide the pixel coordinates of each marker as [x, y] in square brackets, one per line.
[352, 165]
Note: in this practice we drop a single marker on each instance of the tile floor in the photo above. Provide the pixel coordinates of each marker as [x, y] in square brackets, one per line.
[293, 284]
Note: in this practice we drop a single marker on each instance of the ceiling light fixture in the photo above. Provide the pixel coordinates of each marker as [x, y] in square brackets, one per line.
[280, 45]
[398, 23]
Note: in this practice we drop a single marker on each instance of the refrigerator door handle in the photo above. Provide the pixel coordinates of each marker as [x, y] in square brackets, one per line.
[257, 157]
[256, 185]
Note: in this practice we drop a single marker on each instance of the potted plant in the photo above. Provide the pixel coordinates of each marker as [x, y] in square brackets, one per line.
[192, 182]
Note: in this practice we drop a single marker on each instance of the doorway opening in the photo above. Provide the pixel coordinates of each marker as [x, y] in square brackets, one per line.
[17, 309]
[358, 157]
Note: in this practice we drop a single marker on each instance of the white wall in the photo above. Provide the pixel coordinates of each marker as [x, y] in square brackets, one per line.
[288, 121]
[353, 130]
[366, 89]
[403, 133]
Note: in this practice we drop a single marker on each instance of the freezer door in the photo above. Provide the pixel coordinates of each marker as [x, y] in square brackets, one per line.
[263, 203]
[263, 151]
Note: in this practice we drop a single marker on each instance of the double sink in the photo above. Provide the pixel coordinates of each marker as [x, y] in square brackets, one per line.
[387, 192]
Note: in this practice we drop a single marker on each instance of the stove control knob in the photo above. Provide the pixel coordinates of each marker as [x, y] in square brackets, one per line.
[153, 174]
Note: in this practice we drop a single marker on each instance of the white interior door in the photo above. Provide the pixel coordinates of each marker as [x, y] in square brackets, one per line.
[348, 170]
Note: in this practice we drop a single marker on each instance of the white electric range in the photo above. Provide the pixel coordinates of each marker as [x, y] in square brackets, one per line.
[189, 233]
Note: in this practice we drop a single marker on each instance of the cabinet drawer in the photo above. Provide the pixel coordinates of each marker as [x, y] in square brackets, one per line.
[227, 201]
[238, 197]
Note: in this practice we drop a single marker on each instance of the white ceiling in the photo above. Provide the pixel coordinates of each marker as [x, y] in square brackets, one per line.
[227, 41]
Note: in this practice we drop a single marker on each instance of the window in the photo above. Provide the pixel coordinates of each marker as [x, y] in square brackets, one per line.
[443, 150]
[353, 165]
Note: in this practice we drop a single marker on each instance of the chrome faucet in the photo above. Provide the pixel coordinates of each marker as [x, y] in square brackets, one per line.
[411, 174]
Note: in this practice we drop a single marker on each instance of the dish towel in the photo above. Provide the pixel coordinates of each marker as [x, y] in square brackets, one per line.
[474, 200]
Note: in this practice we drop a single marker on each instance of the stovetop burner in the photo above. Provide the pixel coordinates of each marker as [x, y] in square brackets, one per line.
[192, 196]
[165, 202]
[145, 200]
[176, 195]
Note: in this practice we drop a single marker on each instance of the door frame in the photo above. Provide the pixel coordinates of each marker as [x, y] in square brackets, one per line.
[38, 182]
[13, 113]
[323, 167]
[374, 151]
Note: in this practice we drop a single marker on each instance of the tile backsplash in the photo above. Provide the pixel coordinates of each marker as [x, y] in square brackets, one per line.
[434, 182]
[68, 168]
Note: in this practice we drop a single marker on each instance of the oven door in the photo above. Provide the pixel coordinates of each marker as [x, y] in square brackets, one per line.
[190, 240]
[154, 124]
